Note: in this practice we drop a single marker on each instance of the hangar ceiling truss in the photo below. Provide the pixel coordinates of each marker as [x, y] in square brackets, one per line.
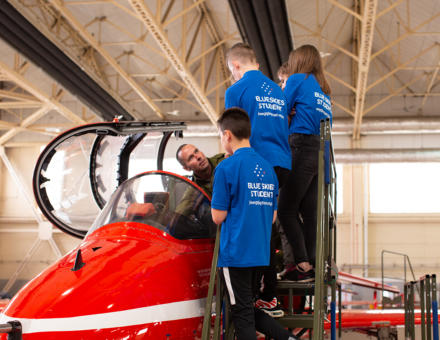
[164, 59]
[175, 57]
[380, 49]
[176, 60]
[22, 103]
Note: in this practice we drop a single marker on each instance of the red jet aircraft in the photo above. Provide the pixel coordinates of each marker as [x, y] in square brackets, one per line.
[142, 269]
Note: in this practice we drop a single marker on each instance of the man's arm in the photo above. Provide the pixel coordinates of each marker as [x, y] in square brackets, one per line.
[274, 216]
[218, 216]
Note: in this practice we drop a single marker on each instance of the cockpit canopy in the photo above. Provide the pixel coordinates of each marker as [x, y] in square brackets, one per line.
[77, 173]
[163, 200]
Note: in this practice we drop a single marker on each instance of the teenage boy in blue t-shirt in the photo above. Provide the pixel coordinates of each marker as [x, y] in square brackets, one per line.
[266, 106]
[244, 201]
[265, 103]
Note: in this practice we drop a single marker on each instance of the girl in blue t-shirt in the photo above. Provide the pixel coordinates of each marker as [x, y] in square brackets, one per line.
[308, 101]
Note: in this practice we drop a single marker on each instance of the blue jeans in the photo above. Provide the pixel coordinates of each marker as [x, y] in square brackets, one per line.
[298, 198]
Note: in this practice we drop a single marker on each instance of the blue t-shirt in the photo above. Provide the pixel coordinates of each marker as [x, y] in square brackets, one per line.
[311, 104]
[245, 185]
[265, 104]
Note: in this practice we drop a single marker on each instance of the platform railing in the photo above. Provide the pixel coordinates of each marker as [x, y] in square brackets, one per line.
[406, 261]
[429, 327]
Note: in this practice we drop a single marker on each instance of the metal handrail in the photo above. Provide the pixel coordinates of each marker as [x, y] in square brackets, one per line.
[212, 283]
[325, 236]
[406, 258]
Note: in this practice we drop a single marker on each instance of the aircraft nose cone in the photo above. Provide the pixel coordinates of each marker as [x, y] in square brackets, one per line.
[147, 278]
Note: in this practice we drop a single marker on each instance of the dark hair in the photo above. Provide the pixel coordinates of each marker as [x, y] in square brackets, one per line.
[284, 70]
[177, 154]
[306, 59]
[241, 52]
[237, 121]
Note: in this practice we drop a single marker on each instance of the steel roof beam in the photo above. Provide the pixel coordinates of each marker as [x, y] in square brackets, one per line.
[88, 37]
[51, 103]
[367, 31]
[156, 29]
[26, 122]
[412, 32]
[26, 38]
[430, 85]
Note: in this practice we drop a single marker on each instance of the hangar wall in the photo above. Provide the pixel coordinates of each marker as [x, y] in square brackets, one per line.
[18, 226]
[359, 249]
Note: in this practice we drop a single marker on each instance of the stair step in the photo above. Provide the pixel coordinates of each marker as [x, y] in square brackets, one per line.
[297, 320]
[296, 288]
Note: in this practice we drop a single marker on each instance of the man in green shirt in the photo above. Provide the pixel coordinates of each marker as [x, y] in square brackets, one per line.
[189, 221]
[192, 159]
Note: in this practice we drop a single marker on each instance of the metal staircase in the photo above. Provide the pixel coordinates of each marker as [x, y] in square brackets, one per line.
[325, 270]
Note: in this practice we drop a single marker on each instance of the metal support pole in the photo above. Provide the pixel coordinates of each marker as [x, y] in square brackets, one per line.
[212, 279]
[340, 309]
[333, 320]
[333, 310]
[411, 303]
[334, 243]
[218, 309]
[318, 319]
[326, 232]
[435, 333]
[422, 309]
[428, 307]
[405, 304]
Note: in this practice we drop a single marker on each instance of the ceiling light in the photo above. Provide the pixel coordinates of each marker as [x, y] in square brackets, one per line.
[173, 112]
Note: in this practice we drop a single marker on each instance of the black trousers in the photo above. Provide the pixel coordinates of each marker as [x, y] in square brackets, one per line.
[240, 286]
[298, 199]
[270, 273]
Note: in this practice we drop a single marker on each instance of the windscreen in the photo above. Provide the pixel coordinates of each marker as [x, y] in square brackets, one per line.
[162, 200]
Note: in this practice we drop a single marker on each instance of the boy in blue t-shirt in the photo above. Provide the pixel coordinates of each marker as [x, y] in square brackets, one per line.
[265, 103]
[244, 201]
